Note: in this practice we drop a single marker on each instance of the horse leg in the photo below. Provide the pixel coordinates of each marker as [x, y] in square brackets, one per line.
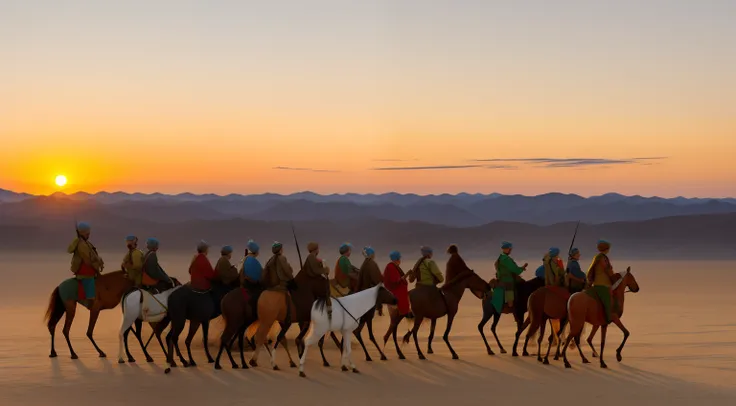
[604, 329]
[521, 325]
[281, 337]
[193, 327]
[564, 351]
[56, 313]
[226, 339]
[563, 325]
[432, 326]
[123, 336]
[396, 343]
[527, 323]
[241, 344]
[590, 340]
[321, 351]
[621, 326]
[446, 336]
[348, 350]
[138, 332]
[158, 330]
[172, 341]
[334, 340]
[482, 324]
[542, 325]
[413, 332]
[299, 340]
[93, 315]
[360, 339]
[308, 342]
[205, 339]
[496, 319]
[373, 339]
[552, 336]
[580, 350]
[285, 342]
[71, 310]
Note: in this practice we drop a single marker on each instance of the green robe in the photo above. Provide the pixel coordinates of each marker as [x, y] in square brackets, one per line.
[506, 268]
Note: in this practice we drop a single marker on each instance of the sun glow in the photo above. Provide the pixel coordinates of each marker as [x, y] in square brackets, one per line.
[60, 180]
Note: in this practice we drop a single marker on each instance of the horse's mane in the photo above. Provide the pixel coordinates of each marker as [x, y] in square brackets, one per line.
[618, 282]
[457, 279]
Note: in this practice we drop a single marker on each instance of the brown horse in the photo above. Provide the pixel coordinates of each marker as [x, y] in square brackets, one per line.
[547, 303]
[110, 289]
[584, 308]
[273, 306]
[238, 315]
[432, 304]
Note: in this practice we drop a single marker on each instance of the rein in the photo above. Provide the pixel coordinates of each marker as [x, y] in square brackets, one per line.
[346, 311]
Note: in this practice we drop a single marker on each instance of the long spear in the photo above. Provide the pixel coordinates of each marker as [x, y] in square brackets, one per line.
[573, 239]
[296, 242]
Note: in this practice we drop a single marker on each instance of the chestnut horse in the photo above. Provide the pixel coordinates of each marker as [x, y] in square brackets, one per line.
[109, 287]
[432, 304]
[273, 306]
[584, 308]
[547, 303]
[523, 290]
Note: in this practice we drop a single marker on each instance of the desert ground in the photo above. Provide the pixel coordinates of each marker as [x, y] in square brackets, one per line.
[682, 350]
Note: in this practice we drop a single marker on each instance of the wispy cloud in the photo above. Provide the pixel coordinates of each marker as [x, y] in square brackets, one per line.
[573, 162]
[425, 168]
[289, 168]
[395, 160]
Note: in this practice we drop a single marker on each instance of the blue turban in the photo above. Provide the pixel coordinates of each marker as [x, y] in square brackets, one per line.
[276, 246]
[253, 247]
[554, 251]
[395, 255]
[202, 245]
[506, 245]
[152, 243]
[131, 238]
[574, 251]
[426, 250]
[83, 227]
[368, 252]
[345, 248]
[226, 250]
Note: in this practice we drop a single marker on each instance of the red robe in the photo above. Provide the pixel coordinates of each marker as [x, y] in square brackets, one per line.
[399, 287]
[202, 273]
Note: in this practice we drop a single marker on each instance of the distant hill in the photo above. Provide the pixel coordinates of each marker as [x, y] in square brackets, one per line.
[461, 210]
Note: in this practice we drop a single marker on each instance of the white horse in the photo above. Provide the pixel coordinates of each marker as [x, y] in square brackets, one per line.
[346, 314]
[152, 310]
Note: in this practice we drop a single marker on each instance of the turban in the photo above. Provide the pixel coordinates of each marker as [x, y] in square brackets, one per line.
[312, 246]
[345, 248]
[554, 251]
[202, 245]
[253, 247]
[152, 244]
[368, 252]
[226, 250]
[574, 251]
[395, 255]
[603, 245]
[276, 247]
[131, 238]
[426, 250]
[452, 249]
[83, 227]
[506, 245]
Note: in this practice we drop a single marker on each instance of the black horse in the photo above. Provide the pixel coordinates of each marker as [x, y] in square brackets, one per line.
[523, 290]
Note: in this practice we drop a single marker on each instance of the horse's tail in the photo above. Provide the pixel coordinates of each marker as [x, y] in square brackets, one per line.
[320, 303]
[55, 309]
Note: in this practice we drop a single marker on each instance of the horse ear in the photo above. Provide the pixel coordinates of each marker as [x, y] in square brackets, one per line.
[628, 270]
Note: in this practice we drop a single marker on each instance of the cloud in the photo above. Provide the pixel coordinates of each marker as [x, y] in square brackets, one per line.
[394, 160]
[500, 167]
[573, 162]
[288, 168]
[425, 168]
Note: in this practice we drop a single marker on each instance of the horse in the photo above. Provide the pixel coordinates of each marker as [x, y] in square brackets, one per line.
[523, 290]
[197, 307]
[367, 321]
[273, 306]
[110, 288]
[434, 304]
[547, 303]
[346, 312]
[583, 308]
[133, 312]
[238, 314]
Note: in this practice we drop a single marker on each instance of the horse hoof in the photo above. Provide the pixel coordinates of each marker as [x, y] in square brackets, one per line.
[383, 358]
[253, 363]
[245, 366]
[557, 358]
[429, 351]
[368, 359]
[235, 366]
[302, 374]
[192, 364]
[491, 352]
[218, 367]
[131, 360]
[401, 356]
[619, 357]
[344, 368]
[422, 357]
[503, 351]
[103, 355]
[121, 361]
[545, 362]
[514, 354]
[585, 361]
[454, 356]
[524, 354]
[603, 365]
[595, 355]
[539, 359]
[149, 359]
[185, 364]
[210, 361]
[167, 370]
[567, 365]
[355, 371]
[276, 368]
[326, 364]
[53, 354]
[74, 356]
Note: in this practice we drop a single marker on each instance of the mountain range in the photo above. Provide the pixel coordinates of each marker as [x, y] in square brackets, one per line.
[638, 226]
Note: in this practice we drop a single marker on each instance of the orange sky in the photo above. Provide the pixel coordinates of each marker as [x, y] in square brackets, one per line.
[190, 99]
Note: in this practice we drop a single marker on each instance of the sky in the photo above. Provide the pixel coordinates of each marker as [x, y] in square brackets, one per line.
[435, 96]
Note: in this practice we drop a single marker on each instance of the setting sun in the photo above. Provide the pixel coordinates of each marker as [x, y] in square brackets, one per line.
[60, 180]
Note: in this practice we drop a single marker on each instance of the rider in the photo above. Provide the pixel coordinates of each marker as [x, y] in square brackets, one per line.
[554, 270]
[506, 273]
[154, 278]
[425, 271]
[575, 275]
[86, 262]
[455, 265]
[133, 261]
[370, 274]
[227, 273]
[600, 276]
[345, 272]
[278, 275]
[395, 280]
[201, 270]
[250, 276]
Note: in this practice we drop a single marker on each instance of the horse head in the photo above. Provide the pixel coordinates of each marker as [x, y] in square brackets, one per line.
[385, 297]
[630, 281]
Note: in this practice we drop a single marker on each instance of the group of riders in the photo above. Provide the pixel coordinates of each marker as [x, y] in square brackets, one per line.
[144, 270]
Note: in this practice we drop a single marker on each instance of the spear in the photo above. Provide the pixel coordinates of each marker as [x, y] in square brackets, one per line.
[298, 251]
[573, 239]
